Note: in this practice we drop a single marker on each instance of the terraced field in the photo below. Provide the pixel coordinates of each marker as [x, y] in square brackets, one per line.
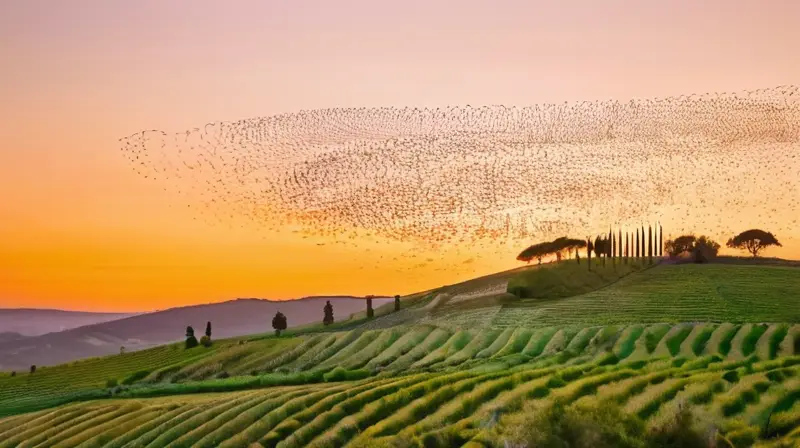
[427, 383]
[87, 379]
[459, 408]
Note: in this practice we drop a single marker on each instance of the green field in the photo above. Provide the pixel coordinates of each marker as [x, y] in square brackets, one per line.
[720, 340]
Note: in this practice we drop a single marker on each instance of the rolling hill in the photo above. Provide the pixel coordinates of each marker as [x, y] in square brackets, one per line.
[231, 318]
[461, 365]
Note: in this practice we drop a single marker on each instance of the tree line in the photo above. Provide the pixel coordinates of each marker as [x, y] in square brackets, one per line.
[645, 244]
[614, 245]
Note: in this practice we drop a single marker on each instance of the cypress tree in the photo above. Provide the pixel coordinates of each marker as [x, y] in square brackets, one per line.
[619, 244]
[397, 302]
[637, 243]
[328, 313]
[644, 246]
[604, 251]
[627, 246]
[370, 311]
[589, 248]
[613, 248]
[650, 243]
[660, 241]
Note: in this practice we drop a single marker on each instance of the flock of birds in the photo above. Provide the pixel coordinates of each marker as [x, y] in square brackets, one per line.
[462, 177]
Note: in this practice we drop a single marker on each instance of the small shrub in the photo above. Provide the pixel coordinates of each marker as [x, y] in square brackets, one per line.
[13, 373]
[112, 383]
[223, 375]
[205, 341]
[191, 342]
[33, 369]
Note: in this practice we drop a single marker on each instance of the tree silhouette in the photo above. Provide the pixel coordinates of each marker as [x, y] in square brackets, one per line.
[279, 323]
[370, 311]
[538, 251]
[753, 241]
[650, 243]
[660, 241]
[627, 246]
[612, 248]
[397, 302]
[598, 246]
[644, 247]
[704, 249]
[637, 243]
[619, 244]
[191, 341]
[208, 329]
[681, 244]
[555, 247]
[701, 249]
[33, 369]
[589, 249]
[328, 310]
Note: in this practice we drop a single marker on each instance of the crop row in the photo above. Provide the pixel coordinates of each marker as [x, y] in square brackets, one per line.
[746, 399]
[359, 353]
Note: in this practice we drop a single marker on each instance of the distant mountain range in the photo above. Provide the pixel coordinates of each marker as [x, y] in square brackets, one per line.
[22, 343]
[35, 322]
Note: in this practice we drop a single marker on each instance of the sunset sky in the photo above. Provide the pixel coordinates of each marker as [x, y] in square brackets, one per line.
[79, 230]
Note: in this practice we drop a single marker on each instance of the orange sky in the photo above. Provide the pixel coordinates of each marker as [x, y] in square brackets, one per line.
[79, 230]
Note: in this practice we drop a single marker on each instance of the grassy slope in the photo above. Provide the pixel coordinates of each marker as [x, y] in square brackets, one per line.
[674, 293]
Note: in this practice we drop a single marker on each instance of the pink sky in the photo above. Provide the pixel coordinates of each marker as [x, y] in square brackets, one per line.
[79, 75]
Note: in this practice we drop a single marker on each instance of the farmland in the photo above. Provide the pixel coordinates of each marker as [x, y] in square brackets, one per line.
[721, 340]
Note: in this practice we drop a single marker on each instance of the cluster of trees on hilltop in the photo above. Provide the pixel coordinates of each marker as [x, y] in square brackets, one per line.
[647, 243]
[702, 249]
